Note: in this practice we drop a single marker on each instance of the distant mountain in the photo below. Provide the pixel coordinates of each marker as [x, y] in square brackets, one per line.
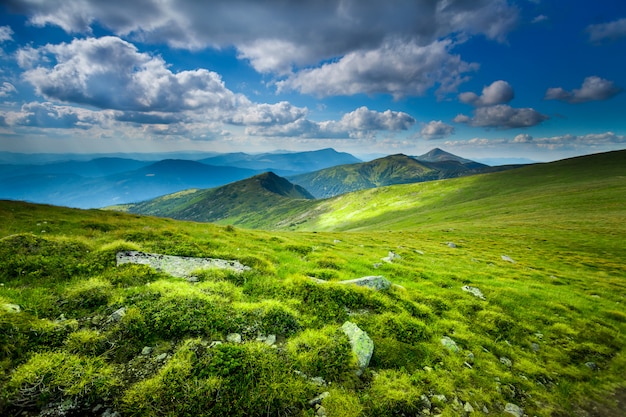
[250, 198]
[99, 167]
[394, 169]
[284, 163]
[150, 181]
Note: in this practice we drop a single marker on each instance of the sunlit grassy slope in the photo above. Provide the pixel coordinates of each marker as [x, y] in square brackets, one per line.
[544, 244]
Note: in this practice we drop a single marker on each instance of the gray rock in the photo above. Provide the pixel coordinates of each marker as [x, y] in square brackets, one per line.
[592, 366]
[514, 410]
[362, 344]
[233, 338]
[270, 339]
[117, 314]
[177, 266]
[474, 291]
[425, 402]
[375, 282]
[535, 346]
[391, 256]
[507, 259]
[146, 350]
[161, 357]
[470, 358]
[11, 308]
[320, 411]
[439, 399]
[467, 407]
[318, 400]
[506, 362]
[451, 245]
[449, 344]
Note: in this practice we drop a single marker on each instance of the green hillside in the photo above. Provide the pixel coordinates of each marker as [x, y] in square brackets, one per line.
[238, 202]
[544, 245]
[393, 169]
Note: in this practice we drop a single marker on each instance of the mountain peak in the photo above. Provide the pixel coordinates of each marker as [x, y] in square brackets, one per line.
[439, 155]
[281, 186]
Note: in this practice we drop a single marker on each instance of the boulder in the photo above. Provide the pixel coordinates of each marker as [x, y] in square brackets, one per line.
[362, 344]
[449, 344]
[117, 314]
[391, 256]
[375, 282]
[514, 410]
[474, 291]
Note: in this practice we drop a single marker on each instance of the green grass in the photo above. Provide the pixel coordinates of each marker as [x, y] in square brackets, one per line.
[556, 308]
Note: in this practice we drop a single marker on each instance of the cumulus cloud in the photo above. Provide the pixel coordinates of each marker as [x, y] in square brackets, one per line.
[436, 129]
[540, 18]
[36, 114]
[395, 42]
[611, 30]
[523, 138]
[502, 116]
[6, 89]
[593, 89]
[6, 33]
[395, 68]
[498, 92]
[267, 114]
[359, 123]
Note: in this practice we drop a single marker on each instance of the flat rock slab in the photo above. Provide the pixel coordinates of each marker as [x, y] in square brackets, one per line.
[177, 266]
[362, 344]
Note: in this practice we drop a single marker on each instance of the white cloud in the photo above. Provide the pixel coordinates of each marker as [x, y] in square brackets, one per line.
[359, 123]
[523, 138]
[267, 114]
[6, 33]
[502, 116]
[49, 115]
[295, 37]
[396, 68]
[540, 18]
[498, 92]
[611, 30]
[6, 89]
[436, 129]
[593, 89]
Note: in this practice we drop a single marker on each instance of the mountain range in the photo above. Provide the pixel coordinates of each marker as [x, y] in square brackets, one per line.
[107, 181]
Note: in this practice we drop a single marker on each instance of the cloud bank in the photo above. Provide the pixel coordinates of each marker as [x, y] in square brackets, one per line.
[593, 89]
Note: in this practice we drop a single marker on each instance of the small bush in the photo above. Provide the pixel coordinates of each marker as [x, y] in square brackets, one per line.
[342, 403]
[326, 353]
[58, 376]
[129, 275]
[393, 394]
[89, 294]
[86, 342]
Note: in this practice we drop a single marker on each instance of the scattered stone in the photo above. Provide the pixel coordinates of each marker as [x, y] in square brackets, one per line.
[11, 308]
[192, 279]
[485, 409]
[451, 245]
[320, 411]
[233, 338]
[391, 256]
[117, 314]
[470, 358]
[377, 265]
[318, 400]
[270, 339]
[375, 282]
[507, 259]
[539, 335]
[97, 408]
[468, 407]
[425, 402]
[427, 369]
[514, 410]
[362, 344]
[215, 343]
[449, 344]
[474, 291]
[177, 266]
[419, 251]
[336, 241]
[146, 350]
[591, 365]
[161, 357]
[468, 365]
[110, 413]
[506, 362]
[439, 399]
[535, 346]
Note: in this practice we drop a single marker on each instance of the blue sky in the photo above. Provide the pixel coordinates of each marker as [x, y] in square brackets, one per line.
[538, 79]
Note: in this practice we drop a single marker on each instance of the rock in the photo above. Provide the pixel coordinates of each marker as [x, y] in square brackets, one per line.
[507, 259]
[439, 399]
[270, 339]
[177, 266]
[391, 256]
[215, 343]
[318, 400]
[377, 265]
[468, 408]
[485, 409]
[506, 362]
[362, 344]
[449, 344]
[514, 410]
[336, 241]
[146, 350]
[117, 314]
[470, 358]
[320, 411]
[11, 308]
[419, 252]
[425, 402]
[233, 338]
[318, 380]
[375, 282]
[535, 346]
[592, 366]
[110, 413]
[161, 357]
[192, 279]
[451, 245]
[474, 291]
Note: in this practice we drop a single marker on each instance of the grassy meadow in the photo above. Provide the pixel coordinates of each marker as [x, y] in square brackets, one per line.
[544, 244]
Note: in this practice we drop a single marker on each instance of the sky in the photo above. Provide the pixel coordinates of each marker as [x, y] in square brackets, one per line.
[536, 79]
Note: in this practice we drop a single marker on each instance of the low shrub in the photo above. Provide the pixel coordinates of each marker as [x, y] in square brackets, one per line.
[325, 353]
[392, 394]
[86, 342]
[59, 376]
[342, 403]
[88, 294]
